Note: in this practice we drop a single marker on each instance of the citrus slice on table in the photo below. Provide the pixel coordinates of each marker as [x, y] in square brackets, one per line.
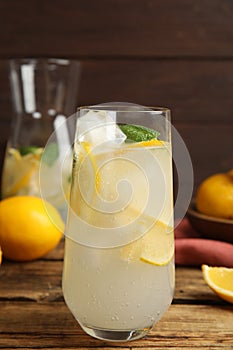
[156, 247]
[220, 280]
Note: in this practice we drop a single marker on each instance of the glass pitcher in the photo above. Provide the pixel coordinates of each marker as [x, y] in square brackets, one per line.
[44, 94]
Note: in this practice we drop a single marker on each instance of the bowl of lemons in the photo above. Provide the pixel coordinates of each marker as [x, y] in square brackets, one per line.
[211, 213]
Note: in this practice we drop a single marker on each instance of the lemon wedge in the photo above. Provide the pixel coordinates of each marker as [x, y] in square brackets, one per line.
[18, 172]
[15, 153]
[220, 280]
[149, 143]
[88, 150]
[156, 247]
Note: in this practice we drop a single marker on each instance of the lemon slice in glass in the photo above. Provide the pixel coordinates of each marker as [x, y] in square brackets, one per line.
[156, 247]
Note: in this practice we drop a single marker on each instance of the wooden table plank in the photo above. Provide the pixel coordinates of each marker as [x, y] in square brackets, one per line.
[32, 324]
[33, 314]
[157, 346]
[41, 280]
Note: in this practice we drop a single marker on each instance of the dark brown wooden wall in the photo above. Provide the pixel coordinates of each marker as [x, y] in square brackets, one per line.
[174, 53]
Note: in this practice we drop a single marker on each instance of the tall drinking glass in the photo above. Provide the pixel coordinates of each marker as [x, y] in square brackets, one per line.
[118, 277]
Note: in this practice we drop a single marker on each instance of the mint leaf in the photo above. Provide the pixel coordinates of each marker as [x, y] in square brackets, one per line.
[138, 133]
[24, 150]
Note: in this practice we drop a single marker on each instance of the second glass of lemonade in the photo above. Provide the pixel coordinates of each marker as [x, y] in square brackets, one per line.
[118, 276]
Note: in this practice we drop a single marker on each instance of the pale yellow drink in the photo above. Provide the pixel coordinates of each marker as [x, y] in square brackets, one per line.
[118, 268]
[33, 174]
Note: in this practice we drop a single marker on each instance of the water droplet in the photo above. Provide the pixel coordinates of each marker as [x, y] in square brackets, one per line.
[139, 305]
[123, 305]
[131, 317]
[151, 318]
[93, 298]
[115, 318]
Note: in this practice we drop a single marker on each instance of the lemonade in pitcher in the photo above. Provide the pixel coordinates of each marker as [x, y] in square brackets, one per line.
[118, 277]
[33, 171]
[44, 94]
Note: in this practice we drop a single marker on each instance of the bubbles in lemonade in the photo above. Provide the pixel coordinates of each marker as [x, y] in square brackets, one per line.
[118, 267]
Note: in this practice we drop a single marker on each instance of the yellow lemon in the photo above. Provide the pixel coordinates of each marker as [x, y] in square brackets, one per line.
[220, 280]
[149, 143]
[29, 228]
[215, 196]
[20, 173]
[156, 247]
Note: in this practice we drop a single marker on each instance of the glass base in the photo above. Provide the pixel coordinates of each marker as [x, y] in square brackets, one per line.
[116, 335]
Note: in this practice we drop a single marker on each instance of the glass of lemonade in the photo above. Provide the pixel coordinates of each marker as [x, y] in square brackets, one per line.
[118, 275]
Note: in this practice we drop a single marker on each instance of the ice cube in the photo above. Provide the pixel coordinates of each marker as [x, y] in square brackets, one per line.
[98, 127]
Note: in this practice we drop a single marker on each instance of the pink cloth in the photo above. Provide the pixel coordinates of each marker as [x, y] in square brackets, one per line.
[193, 250]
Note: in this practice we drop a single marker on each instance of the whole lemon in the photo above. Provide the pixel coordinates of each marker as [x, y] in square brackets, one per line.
[29, 228]
[215, 196]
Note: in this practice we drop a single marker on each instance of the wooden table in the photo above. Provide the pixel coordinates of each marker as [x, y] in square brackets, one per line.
[33, 314]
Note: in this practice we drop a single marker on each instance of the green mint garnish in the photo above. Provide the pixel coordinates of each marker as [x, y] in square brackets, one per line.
[138, 133]
[24, 150]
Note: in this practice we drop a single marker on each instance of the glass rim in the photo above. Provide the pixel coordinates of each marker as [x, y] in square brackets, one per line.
[61, 61]
[125, 108]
